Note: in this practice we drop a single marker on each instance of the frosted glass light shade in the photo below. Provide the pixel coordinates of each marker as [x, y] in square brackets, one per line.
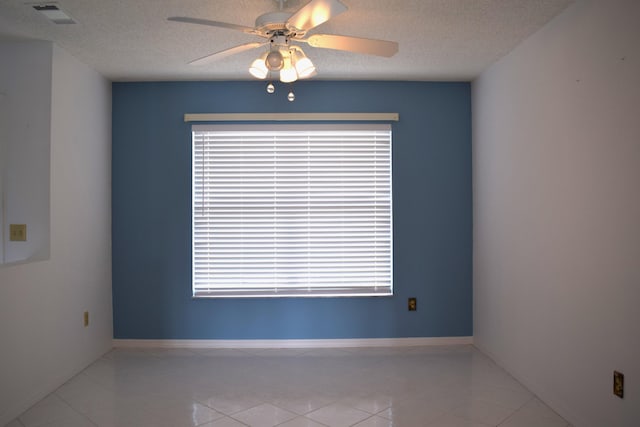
[305, 68]
[258, 68]
[288, 74]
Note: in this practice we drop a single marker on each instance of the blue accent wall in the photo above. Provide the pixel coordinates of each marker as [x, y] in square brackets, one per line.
[152, 224]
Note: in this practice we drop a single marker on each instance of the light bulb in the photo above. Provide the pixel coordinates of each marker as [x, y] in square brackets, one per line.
[274, 60]
[271, 88]
[291, 97]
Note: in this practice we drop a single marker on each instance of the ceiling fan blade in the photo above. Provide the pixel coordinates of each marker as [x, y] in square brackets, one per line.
[353, 44]
[314, 13]
[198, 21]
[225, 53]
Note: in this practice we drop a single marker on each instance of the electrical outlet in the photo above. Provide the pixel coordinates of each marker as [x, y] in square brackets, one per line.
[86, 319]
[18, 232]
[618, 384]
[413, 304]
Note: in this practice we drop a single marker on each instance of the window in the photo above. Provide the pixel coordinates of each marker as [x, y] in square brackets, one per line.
[291, 210]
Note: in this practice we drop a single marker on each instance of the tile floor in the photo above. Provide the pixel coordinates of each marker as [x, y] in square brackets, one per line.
[432, 386]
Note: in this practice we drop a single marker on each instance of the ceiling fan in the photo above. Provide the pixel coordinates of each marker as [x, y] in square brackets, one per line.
[281, 30]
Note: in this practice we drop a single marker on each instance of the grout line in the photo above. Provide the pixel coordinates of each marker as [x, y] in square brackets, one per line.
[72, 408]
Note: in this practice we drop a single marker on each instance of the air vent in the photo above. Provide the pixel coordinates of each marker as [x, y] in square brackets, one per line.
[54, 14]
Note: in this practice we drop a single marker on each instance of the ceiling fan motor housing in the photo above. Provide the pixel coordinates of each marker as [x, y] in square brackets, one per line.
[272, 22]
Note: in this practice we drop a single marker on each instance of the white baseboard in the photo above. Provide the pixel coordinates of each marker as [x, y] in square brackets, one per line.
[313, 343]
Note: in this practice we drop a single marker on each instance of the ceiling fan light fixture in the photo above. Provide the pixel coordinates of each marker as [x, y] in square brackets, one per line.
[258, 68]
[288, 73]
[283, 30]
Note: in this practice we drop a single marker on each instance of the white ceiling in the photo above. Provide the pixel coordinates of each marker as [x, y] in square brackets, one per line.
[131, 40]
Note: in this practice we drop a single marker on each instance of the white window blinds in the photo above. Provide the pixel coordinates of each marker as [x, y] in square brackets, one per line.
[292, 210]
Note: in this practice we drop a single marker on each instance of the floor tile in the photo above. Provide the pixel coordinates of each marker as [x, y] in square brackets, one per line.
[509, 398]
[302, 405]
[482, 412]
[53, 412]
[301, 422]
[376, 421]
[536, 408]
[415, 412]
[264, 415]
[338, 415]
[230, 404]
[183, 414]
[224, 422]
[371, 403]
[451, 420]
[534, 414]
[522, 420]
[443, 386]
[326, 352]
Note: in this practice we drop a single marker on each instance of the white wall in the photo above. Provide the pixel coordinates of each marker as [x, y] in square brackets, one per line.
[25, 123]
[42, 337]
[556, 134]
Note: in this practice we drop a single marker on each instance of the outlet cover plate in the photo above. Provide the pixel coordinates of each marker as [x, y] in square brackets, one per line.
[18, 232]
[618, 384]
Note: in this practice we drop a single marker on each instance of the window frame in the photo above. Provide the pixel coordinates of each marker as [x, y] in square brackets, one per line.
[294, 290]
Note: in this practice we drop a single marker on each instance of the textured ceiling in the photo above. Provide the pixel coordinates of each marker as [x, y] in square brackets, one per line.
[131, 40]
